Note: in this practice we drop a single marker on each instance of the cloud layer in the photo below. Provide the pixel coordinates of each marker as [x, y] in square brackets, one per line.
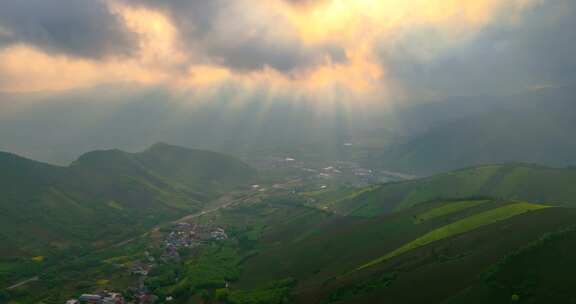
[84, 28]
[77, 75]
[335, 50]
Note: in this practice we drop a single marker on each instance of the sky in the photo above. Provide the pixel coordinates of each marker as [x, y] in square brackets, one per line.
[80, 63]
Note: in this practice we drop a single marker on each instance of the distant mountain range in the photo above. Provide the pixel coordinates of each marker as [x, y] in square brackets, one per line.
[532, 127]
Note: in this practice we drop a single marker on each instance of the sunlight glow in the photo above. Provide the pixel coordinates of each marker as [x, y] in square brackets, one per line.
[359, 28]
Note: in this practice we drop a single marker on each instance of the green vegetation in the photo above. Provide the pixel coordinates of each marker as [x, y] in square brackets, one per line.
[215, 266]
[541, 245]
[459, 227]
[83, 271]
[277, 292]
[103, 198]
[508, 182]
[200, 170]
[69, 218]
[540, 272]
[349, 292]
[448, 209]
[325, 199]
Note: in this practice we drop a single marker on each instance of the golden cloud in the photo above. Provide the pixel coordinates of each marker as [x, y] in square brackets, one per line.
[356, 26]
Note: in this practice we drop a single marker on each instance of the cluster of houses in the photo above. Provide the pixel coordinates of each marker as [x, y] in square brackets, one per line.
[218, 234]
[104, 297]
[142, 268]
[183, 235]
[352, 173]
[344, 172]
[186, 235]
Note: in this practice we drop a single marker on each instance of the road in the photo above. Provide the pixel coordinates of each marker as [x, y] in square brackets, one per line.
[230, 203]
[226, 201]
[399, 174]
[222, 203]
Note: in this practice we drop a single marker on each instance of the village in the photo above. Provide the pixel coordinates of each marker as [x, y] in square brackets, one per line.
[180, 235]
[342, 172]
[189, 235]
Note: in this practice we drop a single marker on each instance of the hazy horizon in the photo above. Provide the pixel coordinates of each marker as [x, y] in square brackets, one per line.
[93, 74]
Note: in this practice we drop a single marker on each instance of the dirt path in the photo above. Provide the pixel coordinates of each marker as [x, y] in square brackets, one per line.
[22, 283]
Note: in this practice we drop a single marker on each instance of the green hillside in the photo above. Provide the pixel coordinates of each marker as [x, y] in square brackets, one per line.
[448, 209]
[459, 227]
[102, 198]
[195, 168]
[514, 181]
[282, 249]
[540, 272]
[324, 253]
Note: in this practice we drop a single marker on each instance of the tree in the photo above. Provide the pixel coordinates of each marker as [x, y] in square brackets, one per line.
[4, 296]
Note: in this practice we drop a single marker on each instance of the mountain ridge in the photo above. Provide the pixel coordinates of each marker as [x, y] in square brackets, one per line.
[534, 183]
[111, 190]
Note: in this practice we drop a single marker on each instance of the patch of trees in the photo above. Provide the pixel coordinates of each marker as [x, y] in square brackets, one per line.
[277, 292]
[211, 269]
[376, 282]
[516, 275]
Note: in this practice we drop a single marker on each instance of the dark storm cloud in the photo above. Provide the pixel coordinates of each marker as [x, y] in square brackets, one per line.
[506, 57]
[84, 28]
[215, 30]
[255, 54]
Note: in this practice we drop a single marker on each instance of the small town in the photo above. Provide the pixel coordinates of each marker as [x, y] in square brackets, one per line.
[187, 235]
[181, 235]
[104, 297]
[341, 172]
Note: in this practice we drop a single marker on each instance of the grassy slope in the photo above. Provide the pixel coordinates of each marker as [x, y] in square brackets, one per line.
[320, 251]
[459, 227]
[202, 170]
[460, 260]
[541, 272]
[522, 182]
[336, 246]
[448, 209]
[278, 239]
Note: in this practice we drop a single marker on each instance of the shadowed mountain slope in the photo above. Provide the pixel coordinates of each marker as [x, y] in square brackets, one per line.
[106, 196]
